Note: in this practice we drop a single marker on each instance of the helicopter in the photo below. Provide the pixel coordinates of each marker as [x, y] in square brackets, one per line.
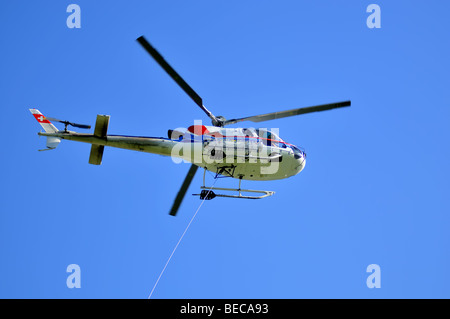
[240, 153]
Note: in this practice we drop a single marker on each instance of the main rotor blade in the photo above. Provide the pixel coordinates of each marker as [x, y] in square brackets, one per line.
[68, 123]
[183, 189]
[175, 76]
[278, 115]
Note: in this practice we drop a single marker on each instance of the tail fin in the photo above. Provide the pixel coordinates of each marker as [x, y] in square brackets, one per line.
[52, 142]
[46, 124]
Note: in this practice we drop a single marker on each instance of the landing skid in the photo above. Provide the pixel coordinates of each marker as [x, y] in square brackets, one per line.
[208, 194]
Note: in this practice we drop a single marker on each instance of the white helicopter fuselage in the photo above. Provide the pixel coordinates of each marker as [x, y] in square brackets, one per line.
[226, 152]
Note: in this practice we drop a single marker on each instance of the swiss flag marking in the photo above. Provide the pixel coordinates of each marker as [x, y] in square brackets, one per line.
[41, 118]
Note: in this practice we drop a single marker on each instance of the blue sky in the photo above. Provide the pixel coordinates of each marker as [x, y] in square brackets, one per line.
[374, 190]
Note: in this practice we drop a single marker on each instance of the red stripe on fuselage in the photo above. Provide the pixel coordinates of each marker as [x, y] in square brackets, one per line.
[244, 137]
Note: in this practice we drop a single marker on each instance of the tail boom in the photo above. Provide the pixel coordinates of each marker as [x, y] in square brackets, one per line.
[154, 145]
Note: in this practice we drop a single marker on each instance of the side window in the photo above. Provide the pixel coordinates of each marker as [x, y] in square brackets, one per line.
[269, 139]
[272, 140]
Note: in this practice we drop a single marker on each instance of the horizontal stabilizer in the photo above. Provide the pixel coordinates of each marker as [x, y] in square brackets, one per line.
[101, 130]
[101, 126]
[96, 155]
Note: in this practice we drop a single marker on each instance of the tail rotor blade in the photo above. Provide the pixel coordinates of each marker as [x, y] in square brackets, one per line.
[85, 126]
[54, 119]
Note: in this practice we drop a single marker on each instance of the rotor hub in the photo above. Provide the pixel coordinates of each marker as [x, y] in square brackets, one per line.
[219, 121]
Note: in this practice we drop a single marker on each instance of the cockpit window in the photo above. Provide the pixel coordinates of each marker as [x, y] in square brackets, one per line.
[249, 132]
[297, 152]
[269, 138]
